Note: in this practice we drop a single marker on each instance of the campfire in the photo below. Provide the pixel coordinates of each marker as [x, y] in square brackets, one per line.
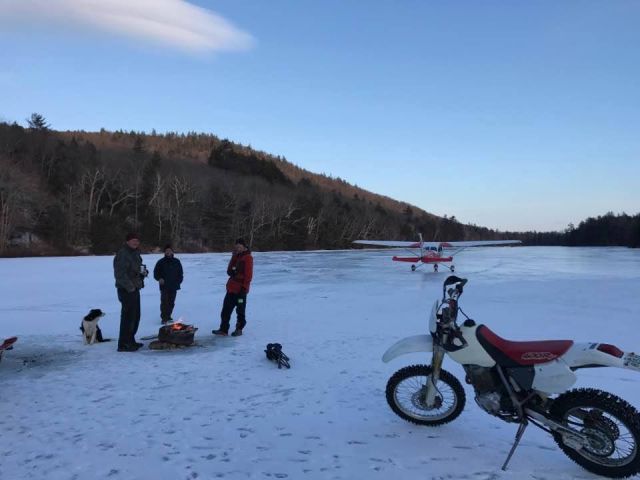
[174, 335]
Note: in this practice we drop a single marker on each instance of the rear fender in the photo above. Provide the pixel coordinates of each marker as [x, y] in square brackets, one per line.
[585, 355]
[416, 343]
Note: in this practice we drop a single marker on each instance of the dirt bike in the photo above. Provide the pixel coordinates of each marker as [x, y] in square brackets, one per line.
[519, 382]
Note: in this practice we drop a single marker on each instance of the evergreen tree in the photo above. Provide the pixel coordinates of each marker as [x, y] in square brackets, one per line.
[38, 122]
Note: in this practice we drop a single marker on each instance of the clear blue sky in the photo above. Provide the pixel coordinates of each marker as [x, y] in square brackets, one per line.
[511, 115]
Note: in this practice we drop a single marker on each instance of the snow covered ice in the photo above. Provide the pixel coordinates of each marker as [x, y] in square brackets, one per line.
[222, 410]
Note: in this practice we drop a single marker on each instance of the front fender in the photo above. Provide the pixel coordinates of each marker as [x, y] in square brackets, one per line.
[417, 343]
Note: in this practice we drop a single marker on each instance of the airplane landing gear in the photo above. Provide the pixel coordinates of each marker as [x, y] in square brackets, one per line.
[435, 267]
[413, 268]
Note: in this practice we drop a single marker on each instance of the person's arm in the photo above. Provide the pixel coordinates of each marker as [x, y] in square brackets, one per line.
[248, 273]
[120, 270]
[180, 273]
[230, 272]
[156, 270]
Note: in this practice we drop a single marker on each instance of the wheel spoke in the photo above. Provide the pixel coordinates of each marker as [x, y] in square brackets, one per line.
[613, 443]
[407, 392]
[409, 395]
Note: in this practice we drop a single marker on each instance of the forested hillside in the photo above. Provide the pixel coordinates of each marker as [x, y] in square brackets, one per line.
[79, 192]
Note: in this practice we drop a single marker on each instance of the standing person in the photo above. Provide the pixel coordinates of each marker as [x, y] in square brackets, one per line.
[240, 271]
[129, 272]
[168, 273]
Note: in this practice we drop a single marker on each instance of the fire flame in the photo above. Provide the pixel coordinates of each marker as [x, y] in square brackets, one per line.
[178, 325]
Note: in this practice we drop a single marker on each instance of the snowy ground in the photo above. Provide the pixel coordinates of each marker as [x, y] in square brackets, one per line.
[221, 410]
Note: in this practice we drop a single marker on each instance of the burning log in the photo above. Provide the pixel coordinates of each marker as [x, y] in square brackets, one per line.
[174, 335]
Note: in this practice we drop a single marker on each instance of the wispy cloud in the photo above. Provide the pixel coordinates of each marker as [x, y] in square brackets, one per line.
[173, 23]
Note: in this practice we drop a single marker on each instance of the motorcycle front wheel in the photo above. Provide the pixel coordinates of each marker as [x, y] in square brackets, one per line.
[407, 390]
[612, 428]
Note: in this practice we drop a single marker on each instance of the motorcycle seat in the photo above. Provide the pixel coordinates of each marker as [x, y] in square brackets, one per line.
[507, 353]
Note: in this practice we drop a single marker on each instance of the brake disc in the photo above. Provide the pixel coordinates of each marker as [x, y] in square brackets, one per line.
[600, 443]
[419, 400]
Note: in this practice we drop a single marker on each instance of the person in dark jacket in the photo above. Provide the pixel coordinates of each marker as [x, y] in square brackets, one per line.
[240, 271]
[129, 272]
[168, 273]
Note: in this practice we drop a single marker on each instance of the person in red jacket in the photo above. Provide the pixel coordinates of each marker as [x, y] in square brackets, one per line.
[240, 271]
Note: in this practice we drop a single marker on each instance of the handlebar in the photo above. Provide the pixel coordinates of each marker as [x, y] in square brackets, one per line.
[453, 280]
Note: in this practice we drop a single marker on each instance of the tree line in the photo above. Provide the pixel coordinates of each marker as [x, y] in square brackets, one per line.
[609, 230]
[80, 192]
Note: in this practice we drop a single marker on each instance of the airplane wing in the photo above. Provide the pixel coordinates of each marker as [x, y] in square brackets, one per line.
[445, 245]
[388, 243]
[477, 243]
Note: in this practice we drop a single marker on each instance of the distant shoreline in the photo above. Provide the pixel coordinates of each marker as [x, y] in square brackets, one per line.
[158, 251]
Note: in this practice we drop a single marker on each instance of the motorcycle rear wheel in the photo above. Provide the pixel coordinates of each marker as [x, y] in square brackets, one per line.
[612, 426]
[406, 391]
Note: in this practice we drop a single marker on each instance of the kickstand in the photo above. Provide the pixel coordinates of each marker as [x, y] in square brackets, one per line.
[519, 433]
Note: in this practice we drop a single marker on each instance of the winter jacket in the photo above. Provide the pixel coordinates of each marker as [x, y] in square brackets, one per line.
[170, 270]
[126, 269]
[240, 271]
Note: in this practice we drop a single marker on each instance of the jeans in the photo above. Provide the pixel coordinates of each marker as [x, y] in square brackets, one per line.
[167, 302]
[231, 301]
[129, 316]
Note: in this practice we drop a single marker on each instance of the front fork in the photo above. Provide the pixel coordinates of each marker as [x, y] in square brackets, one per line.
[436, 365]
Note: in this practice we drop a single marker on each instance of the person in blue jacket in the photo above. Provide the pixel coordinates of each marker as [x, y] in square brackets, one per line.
[168, 272]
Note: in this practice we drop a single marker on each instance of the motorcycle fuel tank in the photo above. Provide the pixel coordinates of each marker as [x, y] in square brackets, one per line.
[474, 353]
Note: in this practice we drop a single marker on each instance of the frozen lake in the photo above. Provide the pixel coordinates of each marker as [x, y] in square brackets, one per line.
[221, 410]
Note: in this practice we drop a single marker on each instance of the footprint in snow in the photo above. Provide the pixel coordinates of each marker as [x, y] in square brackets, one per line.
[485, 475]
[391, 435]
[544, 447]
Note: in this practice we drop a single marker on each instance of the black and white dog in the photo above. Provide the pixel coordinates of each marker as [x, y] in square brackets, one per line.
[90, 329]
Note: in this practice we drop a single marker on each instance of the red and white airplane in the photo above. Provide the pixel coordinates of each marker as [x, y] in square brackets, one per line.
[433, 252]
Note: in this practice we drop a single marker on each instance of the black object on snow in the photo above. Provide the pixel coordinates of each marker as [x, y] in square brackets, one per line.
[274, 353]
